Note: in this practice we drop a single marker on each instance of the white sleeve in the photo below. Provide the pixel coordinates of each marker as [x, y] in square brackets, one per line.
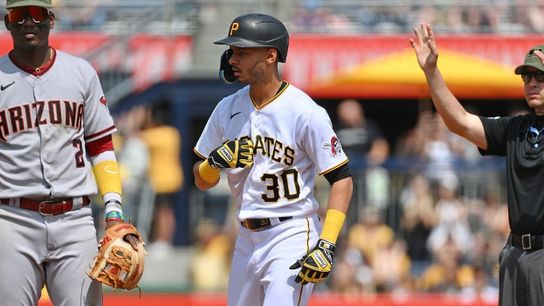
[103, 156]
[322, 144]
[98, 121]
[211, 136]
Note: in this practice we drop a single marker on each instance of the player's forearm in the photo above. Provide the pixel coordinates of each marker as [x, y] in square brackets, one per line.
[340, 194]
[455, 117]
[337, 208]
[201, 183]
[447, 105]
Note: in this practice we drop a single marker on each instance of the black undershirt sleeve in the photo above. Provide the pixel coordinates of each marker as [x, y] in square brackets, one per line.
[338, 174]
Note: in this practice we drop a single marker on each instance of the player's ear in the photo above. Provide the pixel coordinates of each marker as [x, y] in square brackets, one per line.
[271, 55]
[6, 22]
[51, 20]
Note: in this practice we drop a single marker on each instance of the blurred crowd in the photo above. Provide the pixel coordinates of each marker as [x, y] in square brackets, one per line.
[400, 16]
[440, 229]
[355, 16]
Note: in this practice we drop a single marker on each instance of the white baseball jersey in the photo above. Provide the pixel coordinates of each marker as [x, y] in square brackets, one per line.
[293, 140]
[46, 117]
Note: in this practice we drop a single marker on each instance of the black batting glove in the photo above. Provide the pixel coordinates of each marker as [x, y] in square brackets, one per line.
[317, 264]
[233, 154]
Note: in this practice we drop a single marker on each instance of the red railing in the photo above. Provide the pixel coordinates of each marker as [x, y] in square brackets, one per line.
[152, 299]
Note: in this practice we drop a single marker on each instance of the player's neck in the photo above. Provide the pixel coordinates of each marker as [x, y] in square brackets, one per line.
[34, 58]
[262, 93]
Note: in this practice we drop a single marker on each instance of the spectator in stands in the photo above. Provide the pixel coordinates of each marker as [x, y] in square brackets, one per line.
[367, 149]
[410, 146]
[210, 266]
[495, 214]
[439, 152]
[351, 274]
[370, 234]
[482, 288]
[362, 139]
[488, 220]
[83, 15]
[535, 17]
[447, 274]
[133, 157]
[165, 172]
[322, 19]
[418, 219]
[391, 265]
[478, 19]
[452, 226]
[454, 19]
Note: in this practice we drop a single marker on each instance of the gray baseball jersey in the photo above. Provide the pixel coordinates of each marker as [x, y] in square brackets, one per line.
[46, 118]
[45, 121]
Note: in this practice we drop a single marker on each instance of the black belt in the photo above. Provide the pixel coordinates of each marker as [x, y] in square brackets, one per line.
[262, 224]
[527, 241]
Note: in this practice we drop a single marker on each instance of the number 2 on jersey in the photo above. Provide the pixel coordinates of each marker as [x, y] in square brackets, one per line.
[289, 181]
[79, 154]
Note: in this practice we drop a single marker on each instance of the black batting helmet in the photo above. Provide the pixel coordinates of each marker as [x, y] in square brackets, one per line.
[258, 30]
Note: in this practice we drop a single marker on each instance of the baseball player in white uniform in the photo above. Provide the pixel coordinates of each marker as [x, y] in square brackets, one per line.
[272, 140]
[55, 128]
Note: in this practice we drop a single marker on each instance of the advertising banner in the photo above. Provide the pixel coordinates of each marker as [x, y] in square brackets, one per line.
[370, 66]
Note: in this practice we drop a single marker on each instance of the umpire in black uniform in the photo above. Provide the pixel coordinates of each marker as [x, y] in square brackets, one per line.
[518, 138]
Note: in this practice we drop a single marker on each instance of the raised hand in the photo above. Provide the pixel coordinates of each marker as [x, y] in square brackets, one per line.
[540, 55]
[424, 45]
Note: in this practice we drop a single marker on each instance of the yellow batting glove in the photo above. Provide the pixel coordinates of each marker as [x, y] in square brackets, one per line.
[316, 265]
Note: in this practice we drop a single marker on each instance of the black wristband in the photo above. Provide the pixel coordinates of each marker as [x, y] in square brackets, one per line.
[113, 201]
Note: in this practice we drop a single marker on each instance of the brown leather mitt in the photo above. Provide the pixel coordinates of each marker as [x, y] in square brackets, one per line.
[117, 264]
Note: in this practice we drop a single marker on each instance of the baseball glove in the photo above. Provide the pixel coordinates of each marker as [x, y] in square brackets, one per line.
[117, 264]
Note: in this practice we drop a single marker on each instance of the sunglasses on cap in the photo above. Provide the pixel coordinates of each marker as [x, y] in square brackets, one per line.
[19, 14]
[538, 75]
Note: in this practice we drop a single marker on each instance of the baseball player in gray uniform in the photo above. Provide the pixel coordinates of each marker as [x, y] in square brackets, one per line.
[272, 140]
[55, 128]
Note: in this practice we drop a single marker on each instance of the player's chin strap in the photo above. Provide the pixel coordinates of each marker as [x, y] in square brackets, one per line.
[225, 69]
